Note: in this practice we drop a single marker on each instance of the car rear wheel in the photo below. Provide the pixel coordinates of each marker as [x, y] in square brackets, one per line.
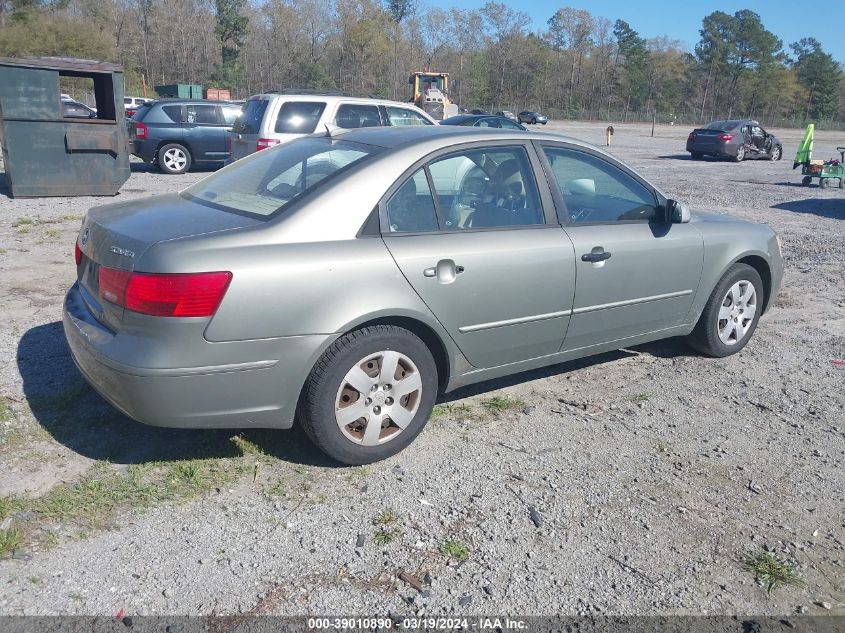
[174, 158]
[740, 154]
[370, 394]
[731, 314]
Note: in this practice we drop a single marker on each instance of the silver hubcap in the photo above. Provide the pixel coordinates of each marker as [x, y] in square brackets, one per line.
[378, 398]
[776, 153]
[737, 312]
[175, 159]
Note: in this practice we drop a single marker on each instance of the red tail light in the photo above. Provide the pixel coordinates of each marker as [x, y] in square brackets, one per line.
[141, 131]
[264, 143]
[691, 136]
[725, 137]
[77, 253]
[170, 295]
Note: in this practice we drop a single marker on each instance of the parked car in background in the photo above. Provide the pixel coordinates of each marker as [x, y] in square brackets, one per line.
[482, 120]
[272, 118]
[478, 111]
[131, 105]
[738, 139]
[347, 280]
[508, 114]
[176, 133]
[74, 110]
[532, 117]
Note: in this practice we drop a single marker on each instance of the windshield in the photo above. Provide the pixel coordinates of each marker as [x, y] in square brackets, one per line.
[263, 184]
[431, 81]
[722, 125]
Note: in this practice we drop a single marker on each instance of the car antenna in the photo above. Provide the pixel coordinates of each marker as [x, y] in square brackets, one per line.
[330, 130]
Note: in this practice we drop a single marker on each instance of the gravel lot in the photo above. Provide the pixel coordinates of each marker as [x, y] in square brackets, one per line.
[630, 483]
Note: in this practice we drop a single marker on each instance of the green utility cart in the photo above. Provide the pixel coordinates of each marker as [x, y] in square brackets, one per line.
[825, 171]
[48, 148]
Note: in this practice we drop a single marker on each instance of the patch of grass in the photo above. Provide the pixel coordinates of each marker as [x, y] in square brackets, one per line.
[246, 447]
[640, 397]
[5, 410]
[93, 502]
[454, 549]
[277, 489]
[23, 230]
[19, 222]
[386, 517]
[500, 404]
[771, 571]
[71, 216]
[10, 540]
[461, 410]
[3, 251]
[53, 233]
[384, 537]
[357, 475]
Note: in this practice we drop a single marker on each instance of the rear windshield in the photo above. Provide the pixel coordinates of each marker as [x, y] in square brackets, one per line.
[722, 125]
[299, 117]
[266, 182]
[141, 112]
[249, 121]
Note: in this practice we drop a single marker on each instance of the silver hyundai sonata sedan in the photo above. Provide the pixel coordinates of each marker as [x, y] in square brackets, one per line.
[346, 280]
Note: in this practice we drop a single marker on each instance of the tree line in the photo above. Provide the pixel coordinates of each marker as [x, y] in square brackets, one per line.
[578, 66]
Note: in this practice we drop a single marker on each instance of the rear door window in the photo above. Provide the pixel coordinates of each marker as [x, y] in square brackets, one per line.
[404, 116]
[411, 208]
[249, 120]
[230, 114]
[299, 117]
[354, 115]
[202, 114]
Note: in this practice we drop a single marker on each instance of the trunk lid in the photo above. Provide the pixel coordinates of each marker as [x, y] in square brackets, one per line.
[117, 235]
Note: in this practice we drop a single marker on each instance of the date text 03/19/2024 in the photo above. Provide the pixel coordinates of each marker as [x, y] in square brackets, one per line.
[418, 624]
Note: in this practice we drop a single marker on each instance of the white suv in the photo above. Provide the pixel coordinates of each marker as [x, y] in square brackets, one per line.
[272, 118]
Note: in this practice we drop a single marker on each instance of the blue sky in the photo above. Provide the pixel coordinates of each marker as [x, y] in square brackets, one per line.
[681, 20]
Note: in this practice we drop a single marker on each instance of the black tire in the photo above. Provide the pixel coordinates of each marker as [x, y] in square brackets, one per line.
[534, 120]
[777, 153]
[696, 155]
[806, 180]
[174, 158]
[316, 411]
[740, 154]
[823, 183]
[705, 336]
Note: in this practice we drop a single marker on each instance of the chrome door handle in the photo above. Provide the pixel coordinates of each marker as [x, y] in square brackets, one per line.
[445, 271]
[597, 255]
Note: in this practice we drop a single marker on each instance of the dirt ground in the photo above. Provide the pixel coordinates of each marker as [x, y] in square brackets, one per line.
[647, 481]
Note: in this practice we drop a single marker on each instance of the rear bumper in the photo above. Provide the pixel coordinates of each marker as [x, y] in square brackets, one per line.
[144, 149]
[711, 149]
[259, 393]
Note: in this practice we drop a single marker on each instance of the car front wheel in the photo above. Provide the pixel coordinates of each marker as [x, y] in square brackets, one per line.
[777, 152]
[174, 158]
[731, 314]
[370, 394]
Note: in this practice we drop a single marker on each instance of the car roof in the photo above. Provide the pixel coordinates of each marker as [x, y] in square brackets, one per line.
[329, 98]
[177, 101]
[395, 137]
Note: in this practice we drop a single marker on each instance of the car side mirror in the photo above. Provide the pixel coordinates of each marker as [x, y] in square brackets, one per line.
[678, 212]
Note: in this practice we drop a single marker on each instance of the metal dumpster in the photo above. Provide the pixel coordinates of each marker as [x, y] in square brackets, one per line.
[48, 150]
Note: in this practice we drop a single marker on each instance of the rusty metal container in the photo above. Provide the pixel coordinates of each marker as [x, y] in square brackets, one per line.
[218, 94]
[45, 152]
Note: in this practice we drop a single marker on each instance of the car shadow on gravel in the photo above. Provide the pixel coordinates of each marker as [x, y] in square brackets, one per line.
[4, 188]
[76, 416]
[824, 207]
[665, 348]
[138, 167]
